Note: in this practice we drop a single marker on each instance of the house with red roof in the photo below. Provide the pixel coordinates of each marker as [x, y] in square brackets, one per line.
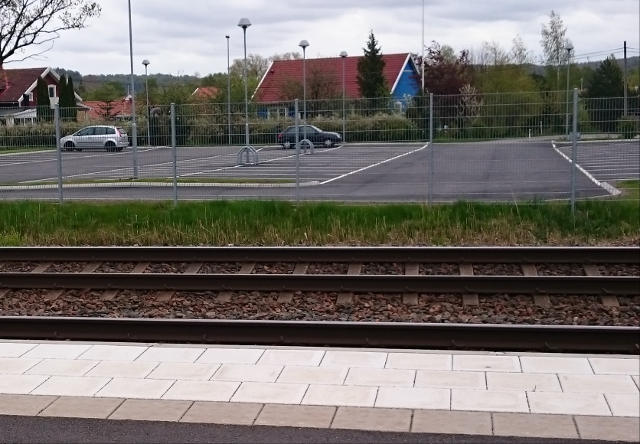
[282, 80]
[18, 96]
[206, 92]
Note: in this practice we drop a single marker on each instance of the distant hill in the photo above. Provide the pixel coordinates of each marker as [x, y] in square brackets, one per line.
[93, 81]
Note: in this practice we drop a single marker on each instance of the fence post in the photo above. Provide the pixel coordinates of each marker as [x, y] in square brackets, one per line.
[175, 154]
[431, 148]
[574, 151]
[56, 119]
[297, 122]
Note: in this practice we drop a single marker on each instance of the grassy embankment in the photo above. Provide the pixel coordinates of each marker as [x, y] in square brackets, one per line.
[282, 223]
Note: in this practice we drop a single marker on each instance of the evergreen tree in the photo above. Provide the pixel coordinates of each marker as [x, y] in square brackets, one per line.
[42, 100]
[605, 91]
[371, 78]
[73, 111]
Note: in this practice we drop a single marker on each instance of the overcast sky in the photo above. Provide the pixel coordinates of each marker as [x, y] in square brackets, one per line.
[188, 36]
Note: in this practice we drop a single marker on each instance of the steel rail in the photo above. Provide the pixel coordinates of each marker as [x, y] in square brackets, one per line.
[585, 339]
[584, 285]
[478, 255]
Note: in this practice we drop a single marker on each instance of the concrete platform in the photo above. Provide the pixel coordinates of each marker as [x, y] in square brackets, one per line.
[439, 392]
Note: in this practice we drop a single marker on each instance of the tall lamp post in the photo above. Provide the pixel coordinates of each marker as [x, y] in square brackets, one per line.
[343, 55]
[228, 90]
[569, 49]
[247, 150]
[134, 127]
[304, 44]
[146, 64]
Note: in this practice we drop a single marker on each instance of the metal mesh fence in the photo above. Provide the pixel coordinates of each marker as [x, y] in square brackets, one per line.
[491, 147]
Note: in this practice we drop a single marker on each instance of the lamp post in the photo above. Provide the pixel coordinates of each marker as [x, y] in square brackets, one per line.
[569, 49]
[304, 44]
[343, 54]
[146, 64]
[134, 128]
[422, 60]
[228, 91]
[244, 23]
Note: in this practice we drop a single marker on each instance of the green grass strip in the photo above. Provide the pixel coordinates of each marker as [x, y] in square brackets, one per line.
[284, 223]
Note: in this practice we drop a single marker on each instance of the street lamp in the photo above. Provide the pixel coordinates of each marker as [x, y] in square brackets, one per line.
[304, 44]
[134, 129]
[569, 49]
[343, 54]
[244, 23]
[228, 90]
[146, 64]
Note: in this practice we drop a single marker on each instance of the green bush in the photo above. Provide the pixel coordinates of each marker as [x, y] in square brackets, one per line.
[629, 126]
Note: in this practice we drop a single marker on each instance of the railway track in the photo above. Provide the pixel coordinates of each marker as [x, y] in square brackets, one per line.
[607, 273]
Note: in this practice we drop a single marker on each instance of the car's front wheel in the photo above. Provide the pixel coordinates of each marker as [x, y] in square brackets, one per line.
[329, 143]
[69, 146]
[286, 145]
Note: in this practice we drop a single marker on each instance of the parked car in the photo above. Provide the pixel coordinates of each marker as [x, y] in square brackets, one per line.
[287, 138]
[110, 138]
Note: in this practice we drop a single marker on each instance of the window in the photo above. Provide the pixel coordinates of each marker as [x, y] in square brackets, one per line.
[31, 97]
[110, 131]
[85, 132]
[52, 91]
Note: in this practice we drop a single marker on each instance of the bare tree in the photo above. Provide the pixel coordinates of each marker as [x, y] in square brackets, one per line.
[29, 27]
[554, 43]
[520, 55]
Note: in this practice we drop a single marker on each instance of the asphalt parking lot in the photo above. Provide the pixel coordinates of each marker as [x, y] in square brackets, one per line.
[489, 171]
[608, 161]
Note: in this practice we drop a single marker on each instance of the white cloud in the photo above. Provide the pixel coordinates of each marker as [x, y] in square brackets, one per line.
[188, 36]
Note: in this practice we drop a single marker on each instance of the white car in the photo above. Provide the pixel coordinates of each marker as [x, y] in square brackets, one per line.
[110, 138]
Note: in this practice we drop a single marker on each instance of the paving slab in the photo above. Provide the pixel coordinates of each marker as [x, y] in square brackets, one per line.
[313, 375]
[296, 416]
[151, 410]
[354, 359]
[82, 407]
[113, 352]
[57, 351]
[419, 361]
[597, 384]
[202, 390]
[523, 382]
[231, 355]
[380, 377]
[222, 413]
[336, 395]
[262, 392]
[14, 350]
[624, 405]
[413, 398]
[291, 357]
[123, 369]
[135, 388]
[170, 354]
[489, 400]
[494, 363]
[361, 418]
[568, 403]
[71, 386]
[62, 367]
[459, 423]
[615, 366]
[447, 379]
[16, 366]
[609, 428]
[534, 426]
[249, 373]
[24, 405]
[182, 370]
[555, 364]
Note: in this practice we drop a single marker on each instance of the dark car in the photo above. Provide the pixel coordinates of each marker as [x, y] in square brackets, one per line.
[287, 138]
